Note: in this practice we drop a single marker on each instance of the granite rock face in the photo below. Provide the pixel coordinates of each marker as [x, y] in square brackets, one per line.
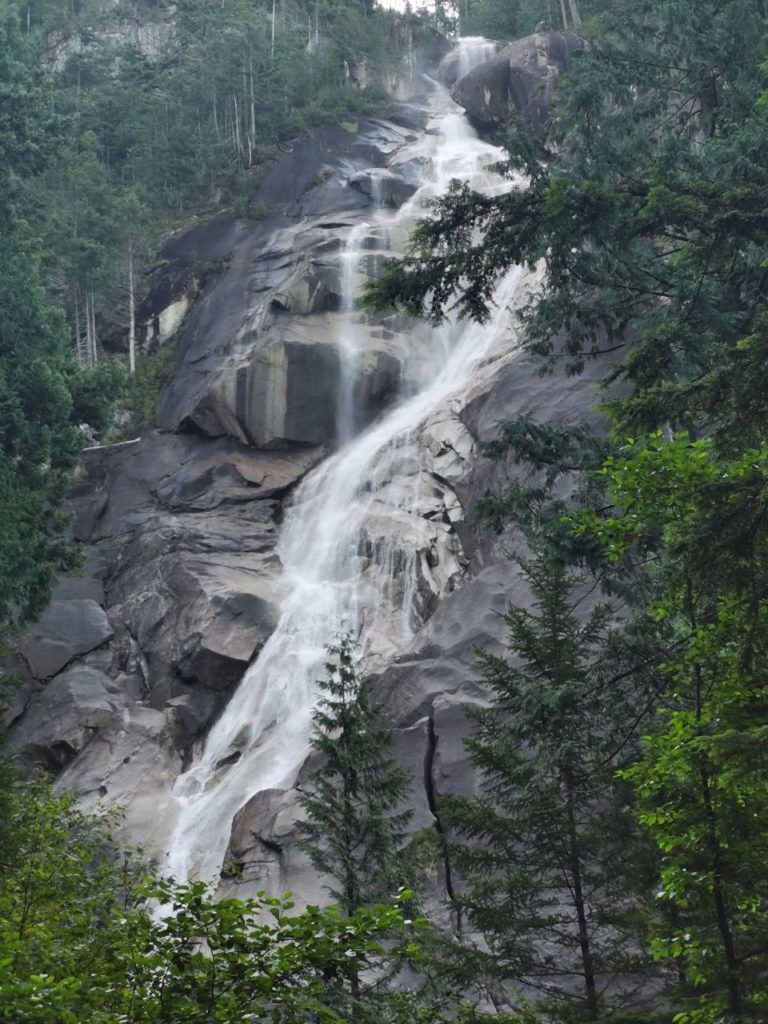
[180, 529]
[518, 81]
[259, 352]
[69, 628]
[63, 716]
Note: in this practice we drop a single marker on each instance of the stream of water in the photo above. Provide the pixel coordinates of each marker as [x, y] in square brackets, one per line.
[349, 543]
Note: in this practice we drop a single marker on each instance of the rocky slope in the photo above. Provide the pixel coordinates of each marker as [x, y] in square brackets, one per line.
[182, 584]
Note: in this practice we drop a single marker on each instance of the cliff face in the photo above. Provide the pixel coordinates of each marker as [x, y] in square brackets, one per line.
[193, 534]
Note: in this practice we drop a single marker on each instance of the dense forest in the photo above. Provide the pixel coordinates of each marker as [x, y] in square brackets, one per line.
[109, 140]
[613, 867]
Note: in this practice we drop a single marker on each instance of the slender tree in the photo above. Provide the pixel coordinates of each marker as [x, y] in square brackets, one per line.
[547, 880]
[355, 832]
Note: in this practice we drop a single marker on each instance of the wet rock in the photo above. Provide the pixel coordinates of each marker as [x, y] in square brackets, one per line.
[410, 749]
[248, 368]
[519, 80]
[408, 115]
[263, 852]
[390, 190]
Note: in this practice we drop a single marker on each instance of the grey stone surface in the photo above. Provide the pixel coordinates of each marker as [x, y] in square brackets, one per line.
[67, 629]
[130, 763]
[62, 718]
[518, 81]
[179, 530]
[258, 355]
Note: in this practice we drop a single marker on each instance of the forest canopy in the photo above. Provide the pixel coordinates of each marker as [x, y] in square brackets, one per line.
[610, 867]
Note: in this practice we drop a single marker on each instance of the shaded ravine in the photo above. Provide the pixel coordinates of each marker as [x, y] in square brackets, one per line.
[352, 542]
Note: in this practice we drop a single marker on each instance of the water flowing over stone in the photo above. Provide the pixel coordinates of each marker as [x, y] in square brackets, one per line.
[313, 469]
[349, 347]
[473, 51]
[367, 545]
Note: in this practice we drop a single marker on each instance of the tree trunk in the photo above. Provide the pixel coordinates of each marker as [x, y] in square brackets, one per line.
[88, 341]
[131, 316]
[272, 50]
[252, 145]
[716, 853]
[575, 15]
[236, 125]
[215, 113]
[587, 962]
[94, 348]
[564, 14]
[721, 904]
[78, 339]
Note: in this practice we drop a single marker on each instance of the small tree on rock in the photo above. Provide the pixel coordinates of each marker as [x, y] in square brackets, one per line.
[354, 832]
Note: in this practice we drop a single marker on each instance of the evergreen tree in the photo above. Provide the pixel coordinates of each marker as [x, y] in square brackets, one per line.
[548, 882]
[701, 780]
[40, 388]
[647, 206]
[354, 832]
[650, 221]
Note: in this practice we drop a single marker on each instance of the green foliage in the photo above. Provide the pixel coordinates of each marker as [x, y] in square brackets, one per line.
[143, 389]
[84, 938]
[354, 833]
[646, 205]
[29, 132]
[215, 961]
[39, 438]
[43, 397]
[95, 393]
[650, 222]
[61, 898]
[144, 138]
[701, 781]
[547, 882]
[509, 19]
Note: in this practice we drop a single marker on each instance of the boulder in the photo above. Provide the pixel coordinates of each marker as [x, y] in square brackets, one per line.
[287, 391]
[385, 189]
[63, 717]
[67, 629]
[519, 80]
[263, 852]
[130, 763]
[409, 115]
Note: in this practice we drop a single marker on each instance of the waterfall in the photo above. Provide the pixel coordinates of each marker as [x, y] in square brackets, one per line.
[473, 50]
[352, 542]
[349, 347]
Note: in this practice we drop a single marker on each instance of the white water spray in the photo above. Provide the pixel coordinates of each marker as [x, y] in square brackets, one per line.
[349, 343]
[473, 50]
[350, 545]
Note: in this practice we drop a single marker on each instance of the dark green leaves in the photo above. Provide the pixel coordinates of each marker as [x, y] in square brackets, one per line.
[355, 830]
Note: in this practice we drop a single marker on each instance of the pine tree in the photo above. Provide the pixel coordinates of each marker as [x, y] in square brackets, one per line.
[647, 205]
[547, 879]
[354, 832]
[701, 779]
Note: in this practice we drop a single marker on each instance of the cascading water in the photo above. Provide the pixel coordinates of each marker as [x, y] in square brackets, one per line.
[473, 50]
[349, 347]
[351, 541]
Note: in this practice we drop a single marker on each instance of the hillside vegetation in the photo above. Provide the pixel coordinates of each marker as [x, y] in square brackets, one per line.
[611, 868]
